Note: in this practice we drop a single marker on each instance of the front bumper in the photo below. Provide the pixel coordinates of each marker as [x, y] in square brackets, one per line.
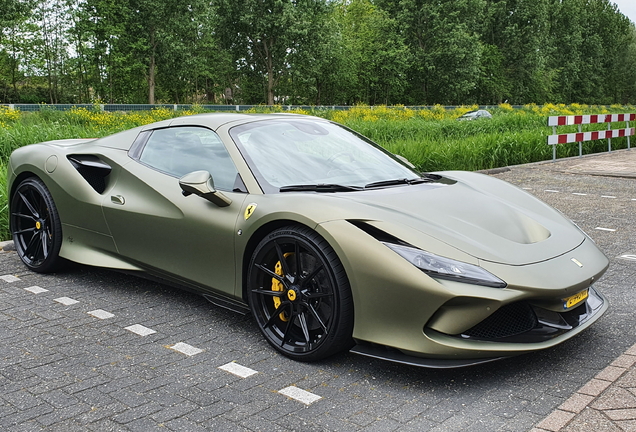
[523, 322]
[499, 334]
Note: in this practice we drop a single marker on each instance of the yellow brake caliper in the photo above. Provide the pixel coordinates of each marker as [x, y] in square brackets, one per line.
[278, 286]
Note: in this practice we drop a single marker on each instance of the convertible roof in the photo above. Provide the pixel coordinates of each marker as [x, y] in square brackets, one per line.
[215, 120]
[123, 140]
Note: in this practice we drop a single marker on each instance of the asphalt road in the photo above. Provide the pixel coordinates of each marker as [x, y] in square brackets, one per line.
[64, 369]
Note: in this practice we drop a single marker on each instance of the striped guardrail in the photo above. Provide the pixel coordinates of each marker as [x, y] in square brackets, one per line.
[580, 136]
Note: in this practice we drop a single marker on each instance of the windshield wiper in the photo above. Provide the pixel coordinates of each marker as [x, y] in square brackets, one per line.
[395, 182]
[319, 188]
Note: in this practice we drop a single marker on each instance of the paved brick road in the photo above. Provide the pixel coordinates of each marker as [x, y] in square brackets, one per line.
[63, 369]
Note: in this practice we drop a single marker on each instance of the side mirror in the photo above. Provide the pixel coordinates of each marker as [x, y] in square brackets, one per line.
[200, 183]
[405, 160]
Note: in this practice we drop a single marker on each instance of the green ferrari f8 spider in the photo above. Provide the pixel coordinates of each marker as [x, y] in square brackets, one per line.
[331, 242]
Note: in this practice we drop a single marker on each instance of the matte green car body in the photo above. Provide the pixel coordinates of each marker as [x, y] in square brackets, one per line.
[143, 222]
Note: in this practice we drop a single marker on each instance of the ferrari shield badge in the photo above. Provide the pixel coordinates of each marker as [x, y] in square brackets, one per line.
[249, 211]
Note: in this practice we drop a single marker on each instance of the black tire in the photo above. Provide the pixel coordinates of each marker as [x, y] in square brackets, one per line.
[35, 226]
[300, 295]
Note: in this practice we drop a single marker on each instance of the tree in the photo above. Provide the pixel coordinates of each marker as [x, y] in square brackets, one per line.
[265, 36]
[13, 15]
[376, 56]
[443, 37]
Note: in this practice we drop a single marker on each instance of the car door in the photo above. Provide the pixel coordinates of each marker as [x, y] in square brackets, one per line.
[155, 225]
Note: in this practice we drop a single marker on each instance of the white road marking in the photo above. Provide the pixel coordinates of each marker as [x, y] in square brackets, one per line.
[66, 301]
[186, 349]
[630, 257]
[607, 196]
[101, 314]
[605, 229]
[300, 395]
[140, 330]
[526, 188]
[9, 278]
[578, 193]
[549, 190]
[238, 370]
[35, 289]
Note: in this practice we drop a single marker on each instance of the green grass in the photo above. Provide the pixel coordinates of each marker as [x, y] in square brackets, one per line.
[507, 139]
[511, 137]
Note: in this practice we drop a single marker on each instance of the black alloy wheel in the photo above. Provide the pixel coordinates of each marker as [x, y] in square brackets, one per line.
[300, 295]
[35, 226]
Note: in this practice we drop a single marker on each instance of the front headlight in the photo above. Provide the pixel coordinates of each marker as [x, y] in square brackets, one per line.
[445, 268]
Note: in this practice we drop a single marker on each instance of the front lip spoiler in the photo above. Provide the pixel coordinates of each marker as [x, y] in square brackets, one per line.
[384, 353]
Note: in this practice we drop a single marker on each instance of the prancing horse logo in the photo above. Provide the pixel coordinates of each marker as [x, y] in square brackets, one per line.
[249, 211]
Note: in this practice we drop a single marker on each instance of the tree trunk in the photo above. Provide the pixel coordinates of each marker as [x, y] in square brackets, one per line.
[151, 69]
[270, 72]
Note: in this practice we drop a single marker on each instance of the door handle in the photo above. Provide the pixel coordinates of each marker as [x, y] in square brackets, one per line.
[117, 199]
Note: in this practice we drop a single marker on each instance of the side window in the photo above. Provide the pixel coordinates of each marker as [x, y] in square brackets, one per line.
[180, 150]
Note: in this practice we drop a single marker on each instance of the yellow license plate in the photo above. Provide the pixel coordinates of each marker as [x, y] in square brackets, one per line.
[574, 300]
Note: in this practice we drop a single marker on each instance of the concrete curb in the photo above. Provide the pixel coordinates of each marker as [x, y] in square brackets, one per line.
[7, 246]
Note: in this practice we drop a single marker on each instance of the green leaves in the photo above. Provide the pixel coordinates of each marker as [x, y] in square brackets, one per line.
[332, 52]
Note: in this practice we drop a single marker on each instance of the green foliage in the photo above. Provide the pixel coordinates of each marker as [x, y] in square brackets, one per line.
[270, 38]
[332, 52]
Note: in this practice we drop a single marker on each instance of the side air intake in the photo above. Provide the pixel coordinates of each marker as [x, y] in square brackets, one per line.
[94, 170]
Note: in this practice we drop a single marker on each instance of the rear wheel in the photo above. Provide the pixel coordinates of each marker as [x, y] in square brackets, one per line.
[299, 294]
[36, 226]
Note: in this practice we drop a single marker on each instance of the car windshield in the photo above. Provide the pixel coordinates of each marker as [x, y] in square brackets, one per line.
[313, 155]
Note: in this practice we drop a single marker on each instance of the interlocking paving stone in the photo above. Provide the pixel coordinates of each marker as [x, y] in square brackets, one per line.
[140, 330]
[66, 301]
[594, 387]
[300, 395]
[610, 373]
[101, 314]
[186, 349]
[576, 403]
[625, 361]
[238, 370]
[555, 421]
[36, 289]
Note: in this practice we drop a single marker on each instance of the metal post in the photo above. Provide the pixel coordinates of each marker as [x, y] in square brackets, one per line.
[628, 142]
[609, 140]
[580, 144]
[554, 145]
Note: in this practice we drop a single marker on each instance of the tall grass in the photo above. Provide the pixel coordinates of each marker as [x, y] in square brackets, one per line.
[431, 139]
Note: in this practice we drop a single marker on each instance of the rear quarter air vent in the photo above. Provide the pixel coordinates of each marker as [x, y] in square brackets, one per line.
[93, 169]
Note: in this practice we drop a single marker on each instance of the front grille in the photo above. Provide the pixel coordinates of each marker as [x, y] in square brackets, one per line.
[510, 320]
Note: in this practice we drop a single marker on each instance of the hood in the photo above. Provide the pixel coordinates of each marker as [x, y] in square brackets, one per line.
[500, 223]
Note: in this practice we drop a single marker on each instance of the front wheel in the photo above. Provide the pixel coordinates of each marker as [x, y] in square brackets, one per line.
[299, 294]
[36, 226]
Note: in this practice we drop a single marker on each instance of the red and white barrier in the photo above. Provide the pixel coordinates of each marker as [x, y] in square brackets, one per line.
[589, 136]
[589, 119]
[580, 136]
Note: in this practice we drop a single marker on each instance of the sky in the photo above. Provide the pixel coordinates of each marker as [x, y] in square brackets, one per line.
[627, 7]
